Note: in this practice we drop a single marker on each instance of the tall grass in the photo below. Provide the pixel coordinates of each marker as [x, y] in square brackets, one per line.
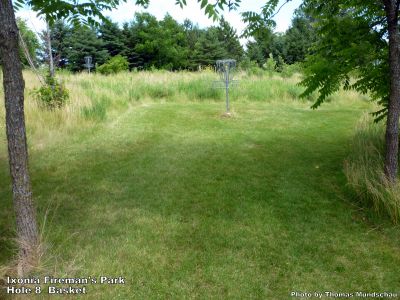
[364, 170]
[95, 98]
[162, 190]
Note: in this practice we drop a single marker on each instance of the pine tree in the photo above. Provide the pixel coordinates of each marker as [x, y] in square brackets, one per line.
[299, 38]
[208, 48]
[112, 37]
[228, 36]
[84, 42]
[60, 33]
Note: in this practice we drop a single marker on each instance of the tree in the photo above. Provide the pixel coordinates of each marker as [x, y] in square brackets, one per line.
[112, 37]
[228, 35]
[13, 83]
[15, 130]
[153, 43]
[174, 50]
[260, 49]
[82, 42]
[358, 39]
[31, 42]
[209, 48]
[27, 230]
[255, 53]
[391, 8]
[193, 34]
[298, 38]
[60, 33]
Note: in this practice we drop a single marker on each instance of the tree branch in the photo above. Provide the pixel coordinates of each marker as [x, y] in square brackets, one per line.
[29, 59]
[279, 9]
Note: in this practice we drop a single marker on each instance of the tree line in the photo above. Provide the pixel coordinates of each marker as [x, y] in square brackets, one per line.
[149, 43]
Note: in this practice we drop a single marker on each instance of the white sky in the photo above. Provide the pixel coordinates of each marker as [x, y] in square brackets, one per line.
[125, 13]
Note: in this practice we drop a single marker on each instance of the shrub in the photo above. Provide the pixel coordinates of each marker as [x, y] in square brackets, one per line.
[290, 70]
[255, 71]
[52, 94]
[251, 67]
[247, 64]
[280, 64]
[114, 65]
[364, 170]
[270, 65]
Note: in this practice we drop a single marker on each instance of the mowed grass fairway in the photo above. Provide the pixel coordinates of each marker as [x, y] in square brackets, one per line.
[185, 203]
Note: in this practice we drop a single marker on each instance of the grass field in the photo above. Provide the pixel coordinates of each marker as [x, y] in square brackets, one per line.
[155, 185]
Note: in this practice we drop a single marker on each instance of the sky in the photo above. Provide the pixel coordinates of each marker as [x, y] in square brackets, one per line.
[125, 13]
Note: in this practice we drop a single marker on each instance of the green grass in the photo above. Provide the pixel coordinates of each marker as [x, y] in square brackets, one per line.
[186, 203]
[364, 171]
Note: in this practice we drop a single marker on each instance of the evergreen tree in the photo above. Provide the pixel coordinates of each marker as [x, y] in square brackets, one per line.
[259, 50]
[131, 39]
[255, 53]
[193, 34]
[60, 33]
[299, 38]
[208, 48]
[228, 36]
[84, 42]
[113, 38]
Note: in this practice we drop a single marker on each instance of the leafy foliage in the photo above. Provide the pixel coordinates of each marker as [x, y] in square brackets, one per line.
[351, 52]
[114, 65]
[30, 40]
[53, 94]
[270, 64]
[287, 48]
[146, 42]
[78, 12]
[259, 21]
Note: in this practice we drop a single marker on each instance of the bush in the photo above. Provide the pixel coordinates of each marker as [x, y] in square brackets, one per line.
[255, 71]
[270, 65]
[247, 64]
[53, 94]
[364, 170]
[114, 65]
[290, 70]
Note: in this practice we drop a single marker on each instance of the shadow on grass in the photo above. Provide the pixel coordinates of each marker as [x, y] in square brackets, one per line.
[250, 213]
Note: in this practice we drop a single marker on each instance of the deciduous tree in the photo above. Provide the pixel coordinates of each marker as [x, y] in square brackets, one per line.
[13, 82]
[357, 39]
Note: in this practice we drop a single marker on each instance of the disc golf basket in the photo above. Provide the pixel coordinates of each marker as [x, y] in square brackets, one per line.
[226, 70]
[88, 63]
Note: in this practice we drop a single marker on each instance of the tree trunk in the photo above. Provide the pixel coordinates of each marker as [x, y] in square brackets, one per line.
[49, 51]
[13, 83]
[392, 125]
